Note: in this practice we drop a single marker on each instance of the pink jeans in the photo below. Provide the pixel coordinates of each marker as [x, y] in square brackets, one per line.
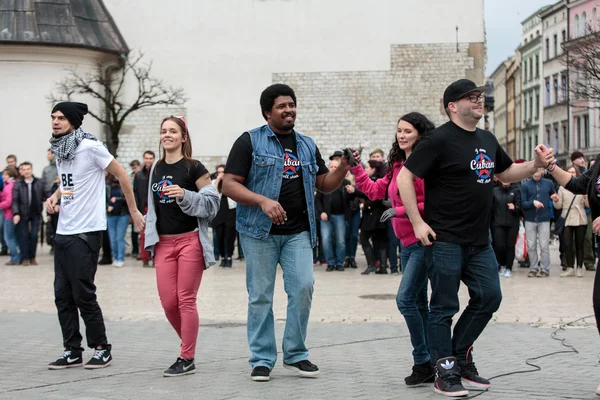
[179, 263]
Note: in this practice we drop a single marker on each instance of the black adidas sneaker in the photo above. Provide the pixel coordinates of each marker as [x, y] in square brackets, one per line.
[470, 376]
[70, 358]
[101, 358]
[448, 379]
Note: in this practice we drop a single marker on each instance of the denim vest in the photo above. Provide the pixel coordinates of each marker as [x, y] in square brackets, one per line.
[265, 177]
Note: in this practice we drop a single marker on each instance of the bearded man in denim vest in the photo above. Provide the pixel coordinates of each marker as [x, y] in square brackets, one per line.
[272, 172]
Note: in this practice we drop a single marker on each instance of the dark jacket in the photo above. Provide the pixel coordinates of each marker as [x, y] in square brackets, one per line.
[323, 201]
[140, 189]
[501, 215]
[20, 205]
[583, 185]
[120, 205]
[540, 191]
[371, 213]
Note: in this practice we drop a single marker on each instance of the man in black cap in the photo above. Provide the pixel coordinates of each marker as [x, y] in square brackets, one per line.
[336, 156]
[458, 162]
[81, 160]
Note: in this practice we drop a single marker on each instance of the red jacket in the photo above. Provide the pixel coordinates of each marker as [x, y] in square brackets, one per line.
[376, 191]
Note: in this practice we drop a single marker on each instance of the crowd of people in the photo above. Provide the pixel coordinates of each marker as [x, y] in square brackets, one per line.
[286, 207]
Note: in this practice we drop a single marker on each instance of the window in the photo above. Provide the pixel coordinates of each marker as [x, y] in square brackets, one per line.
[563, 85]
[529, 148]
[556, 142]
[525, 72]
[586, 130]
[576, 31]
[564, 37]
[555, 45]
[555, 84]
[531, 69]
[565, 137]
[537, 106]
[578, 130]
[525, 110]
[547, 92]
[547, 49]
[584, 24]
[548, 140]
[537, 65]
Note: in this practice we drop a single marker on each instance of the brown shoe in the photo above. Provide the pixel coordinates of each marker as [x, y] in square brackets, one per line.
[33, 261]
[11, 263]
[25, 262]
[543, 274]
[532, 274]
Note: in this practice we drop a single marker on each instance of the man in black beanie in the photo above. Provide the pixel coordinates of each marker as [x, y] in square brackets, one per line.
[81, 160]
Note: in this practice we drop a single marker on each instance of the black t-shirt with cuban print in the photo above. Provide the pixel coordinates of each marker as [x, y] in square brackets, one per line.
[291, 196]
[184, 173]
[458, 167]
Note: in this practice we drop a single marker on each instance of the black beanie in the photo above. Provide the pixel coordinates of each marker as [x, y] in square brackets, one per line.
[73, 111]
[576, 154]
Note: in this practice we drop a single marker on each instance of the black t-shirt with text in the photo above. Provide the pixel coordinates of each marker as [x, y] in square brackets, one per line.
[458, 167]
[291, 197]
[184, 173]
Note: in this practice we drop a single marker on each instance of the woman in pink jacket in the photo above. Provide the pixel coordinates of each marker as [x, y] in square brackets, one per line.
[6, 198]
[415, 259]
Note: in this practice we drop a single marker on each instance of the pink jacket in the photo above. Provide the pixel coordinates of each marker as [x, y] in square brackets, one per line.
[376, 191]
[6, 198]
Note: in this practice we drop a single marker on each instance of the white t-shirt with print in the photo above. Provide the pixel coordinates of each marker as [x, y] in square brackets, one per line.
[83, 189]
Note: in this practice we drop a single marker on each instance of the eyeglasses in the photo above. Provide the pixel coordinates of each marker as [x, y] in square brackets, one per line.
[474, 98]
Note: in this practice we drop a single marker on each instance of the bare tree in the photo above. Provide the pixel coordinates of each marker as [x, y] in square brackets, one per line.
[107, 85]
[583, 65]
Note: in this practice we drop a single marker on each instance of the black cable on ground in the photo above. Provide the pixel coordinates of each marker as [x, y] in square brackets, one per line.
[561, 327]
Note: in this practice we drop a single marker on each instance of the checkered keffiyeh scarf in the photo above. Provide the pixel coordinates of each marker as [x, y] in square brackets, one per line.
[64, 147]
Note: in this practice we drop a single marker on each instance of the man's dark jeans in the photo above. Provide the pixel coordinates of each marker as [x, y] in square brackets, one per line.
[75, 265]
[476, 266]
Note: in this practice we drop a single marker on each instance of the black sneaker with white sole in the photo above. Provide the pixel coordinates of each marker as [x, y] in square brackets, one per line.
[421, 373]
[260, 374]
[101, 358]
[303, 368]
[470, 376]
[70, 358]
[448, 379]
[181, 367]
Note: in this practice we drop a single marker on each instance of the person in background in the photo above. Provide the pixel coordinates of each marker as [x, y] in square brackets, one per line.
[377, 155]
[134, 236]
[506, 210]
[9, 176]
[49, 175]
[224, 222]
[140, 192]
[352, 224]
[536, 194]
[578, 160]
[28, 198]
[575, 224]
[117, 220]
[11, 161]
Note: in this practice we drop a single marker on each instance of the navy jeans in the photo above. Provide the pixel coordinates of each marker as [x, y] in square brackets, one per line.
[352, 228]
[27, 234]
[334, 229]
[412, 297]
[393, 246]
[476, 266]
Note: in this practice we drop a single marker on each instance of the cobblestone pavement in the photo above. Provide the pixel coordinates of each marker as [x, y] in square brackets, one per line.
[356, 336]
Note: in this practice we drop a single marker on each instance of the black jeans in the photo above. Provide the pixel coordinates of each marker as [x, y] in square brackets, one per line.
[504, 239]
[573, 237]
[75, 264]
[27, 234]
[225, 239]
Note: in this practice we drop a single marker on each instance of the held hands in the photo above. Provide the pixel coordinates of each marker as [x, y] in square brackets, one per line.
[538, 204]
[356, 155]
[138, 220]
[387, 214]
[511, 206]
[544, 156]
[173, 191]
[424, 233]
[274, 211]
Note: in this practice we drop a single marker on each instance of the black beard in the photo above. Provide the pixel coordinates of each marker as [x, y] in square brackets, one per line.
[288, 127]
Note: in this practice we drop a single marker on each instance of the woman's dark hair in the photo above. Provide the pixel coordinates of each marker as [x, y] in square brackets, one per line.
[268, 96]
[379, 168]
[186, 147]
[576, 168]
[11, 172]
[422, 124]
[594, 178]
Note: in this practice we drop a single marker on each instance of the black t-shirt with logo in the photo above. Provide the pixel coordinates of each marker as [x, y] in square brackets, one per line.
[184, 173]
[291, 196]
[458, 167]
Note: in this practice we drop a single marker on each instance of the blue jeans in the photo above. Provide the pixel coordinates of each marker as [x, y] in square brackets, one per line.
[294, 254]
[412, 297]
[3, 241]
[393, 246]
[476, 266]
[117, 226]
[336, 227]
[352, 228]
[11, 240]
[27, 234]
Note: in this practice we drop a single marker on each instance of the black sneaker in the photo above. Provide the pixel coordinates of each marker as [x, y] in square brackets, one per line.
[330, 268]
[470, 376]
[70, 358]
[353, 263]
[421, 373]
[303, 368]
[181, 367]
[260, 374]
[448, 379]
[100, 359]
[339, 268]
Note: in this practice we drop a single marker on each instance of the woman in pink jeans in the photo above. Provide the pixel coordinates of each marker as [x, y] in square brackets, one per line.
[415, 259]
[181, 201]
